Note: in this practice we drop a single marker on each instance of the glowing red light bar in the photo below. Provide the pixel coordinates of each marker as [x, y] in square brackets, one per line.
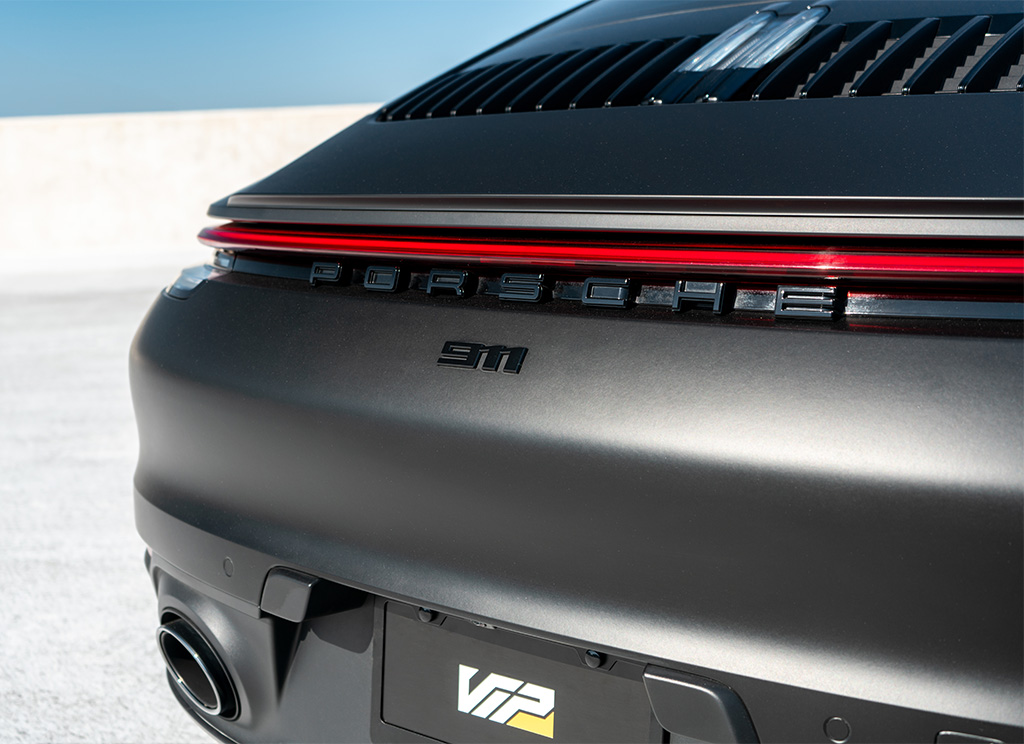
[832, 262]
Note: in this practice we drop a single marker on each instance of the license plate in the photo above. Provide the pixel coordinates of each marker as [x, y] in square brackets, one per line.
[458, 682]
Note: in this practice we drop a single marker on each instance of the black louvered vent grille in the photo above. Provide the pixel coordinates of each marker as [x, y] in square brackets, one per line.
[878, 60]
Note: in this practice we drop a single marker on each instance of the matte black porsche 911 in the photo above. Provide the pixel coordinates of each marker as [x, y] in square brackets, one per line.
[655, 376]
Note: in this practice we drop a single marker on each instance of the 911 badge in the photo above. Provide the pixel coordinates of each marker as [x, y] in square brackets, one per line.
[468, 355]
[508, 701]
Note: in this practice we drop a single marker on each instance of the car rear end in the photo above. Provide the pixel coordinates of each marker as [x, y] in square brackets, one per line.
[585, 395]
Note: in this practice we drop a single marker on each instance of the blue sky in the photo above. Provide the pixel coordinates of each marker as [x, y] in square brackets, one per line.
[86, 56]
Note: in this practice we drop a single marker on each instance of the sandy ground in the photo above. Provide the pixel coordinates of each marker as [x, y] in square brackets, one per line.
[79, 660]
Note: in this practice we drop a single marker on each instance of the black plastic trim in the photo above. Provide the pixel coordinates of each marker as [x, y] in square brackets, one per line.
[633, 90]
[895, 60]
[795, 215]
[829, 80]
[563, 94]
[997, 208]
[597, 91]
[930, 76]
[475, 98]
[496, 102]
[527, 98]
[794, 71]
[984, 75]
[407, 103]
[444, 104]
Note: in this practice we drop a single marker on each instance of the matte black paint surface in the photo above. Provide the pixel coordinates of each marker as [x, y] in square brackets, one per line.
[828, 510]
[919, 146]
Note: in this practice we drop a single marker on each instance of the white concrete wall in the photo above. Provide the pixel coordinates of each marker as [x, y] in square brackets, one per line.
[127, 193]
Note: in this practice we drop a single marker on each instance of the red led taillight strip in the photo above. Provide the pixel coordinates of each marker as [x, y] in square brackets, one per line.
[687, 256]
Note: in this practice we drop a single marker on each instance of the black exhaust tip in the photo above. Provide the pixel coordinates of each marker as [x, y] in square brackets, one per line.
[196, 668]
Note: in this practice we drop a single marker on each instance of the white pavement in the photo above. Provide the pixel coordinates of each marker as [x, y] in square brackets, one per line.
[78, 613]
[78, 659]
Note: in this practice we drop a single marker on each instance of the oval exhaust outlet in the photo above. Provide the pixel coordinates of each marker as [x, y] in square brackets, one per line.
[196, 668]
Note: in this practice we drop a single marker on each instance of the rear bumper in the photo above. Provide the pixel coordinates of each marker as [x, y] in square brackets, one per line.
[816, 518]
